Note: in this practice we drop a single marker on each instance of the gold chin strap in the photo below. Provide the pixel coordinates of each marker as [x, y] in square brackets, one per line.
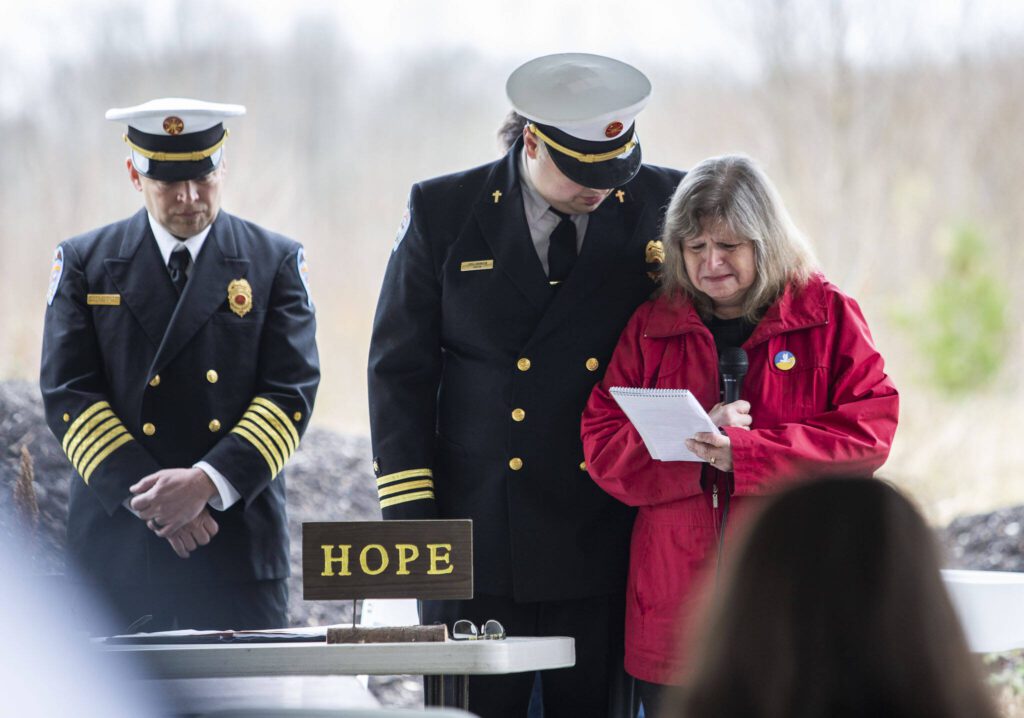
[177, 156]
[579, 156]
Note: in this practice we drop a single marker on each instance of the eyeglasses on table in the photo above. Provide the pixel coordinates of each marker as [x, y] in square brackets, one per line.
[465, 630]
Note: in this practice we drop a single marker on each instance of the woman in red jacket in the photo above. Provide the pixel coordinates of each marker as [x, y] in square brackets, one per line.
[816, 399]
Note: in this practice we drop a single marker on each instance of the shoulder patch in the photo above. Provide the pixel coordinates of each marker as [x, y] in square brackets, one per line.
[303, 267]
[56, 271]
[404, 226]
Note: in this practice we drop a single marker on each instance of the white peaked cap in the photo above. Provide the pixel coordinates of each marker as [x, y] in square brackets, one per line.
[580, 94]
[196, 115]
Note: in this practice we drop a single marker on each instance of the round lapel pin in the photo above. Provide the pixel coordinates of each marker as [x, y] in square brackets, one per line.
[784, 360]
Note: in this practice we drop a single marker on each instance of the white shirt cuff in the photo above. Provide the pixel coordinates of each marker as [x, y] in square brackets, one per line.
[226, 492]
[127, 503]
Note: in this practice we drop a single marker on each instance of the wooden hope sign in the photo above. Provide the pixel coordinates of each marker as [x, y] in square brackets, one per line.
[387, 559]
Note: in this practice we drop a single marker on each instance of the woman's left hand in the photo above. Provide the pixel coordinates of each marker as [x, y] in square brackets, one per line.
[714, 448]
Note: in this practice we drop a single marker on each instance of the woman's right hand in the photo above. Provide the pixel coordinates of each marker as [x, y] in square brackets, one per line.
[736, 413]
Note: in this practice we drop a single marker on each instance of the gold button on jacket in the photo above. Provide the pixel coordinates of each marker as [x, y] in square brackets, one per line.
[214, 425]
[515, 463]
[155, 381]
[518, 415]
[211, 376]
[523, 364]
[148, 429]
[592, 364]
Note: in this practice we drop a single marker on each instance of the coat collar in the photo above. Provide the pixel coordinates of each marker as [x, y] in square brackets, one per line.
[499, 212]
[145, 286]
[502, 219]
[611, 226]
[797, 308]
[207, 289]
[141, 277]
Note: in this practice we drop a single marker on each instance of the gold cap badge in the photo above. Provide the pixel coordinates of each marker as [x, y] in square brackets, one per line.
[173, 125]
[240, 297]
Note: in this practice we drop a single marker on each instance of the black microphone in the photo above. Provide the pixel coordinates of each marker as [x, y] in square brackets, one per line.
[732, 367]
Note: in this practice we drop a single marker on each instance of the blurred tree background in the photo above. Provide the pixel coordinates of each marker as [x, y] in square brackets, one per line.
[891, 128]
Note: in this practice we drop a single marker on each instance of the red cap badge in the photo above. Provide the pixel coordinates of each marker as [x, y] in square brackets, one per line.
[614, 129]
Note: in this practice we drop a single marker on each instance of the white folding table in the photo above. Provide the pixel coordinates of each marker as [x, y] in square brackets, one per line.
[433, 660]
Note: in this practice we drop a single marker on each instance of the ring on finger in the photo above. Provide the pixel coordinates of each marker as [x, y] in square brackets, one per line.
[711, 460]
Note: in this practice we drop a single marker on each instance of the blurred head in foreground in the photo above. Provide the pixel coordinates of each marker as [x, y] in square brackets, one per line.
[833, 605]
[48, 666]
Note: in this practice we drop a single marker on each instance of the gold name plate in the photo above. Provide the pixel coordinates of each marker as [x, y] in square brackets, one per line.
[103, 300]
[477, 265]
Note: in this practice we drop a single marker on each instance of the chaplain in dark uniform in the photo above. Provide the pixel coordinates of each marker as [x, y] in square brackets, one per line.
[506, 291]
[179, 370]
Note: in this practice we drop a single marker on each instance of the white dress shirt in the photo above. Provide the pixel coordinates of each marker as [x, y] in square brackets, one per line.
[167, 242]
[541, 219]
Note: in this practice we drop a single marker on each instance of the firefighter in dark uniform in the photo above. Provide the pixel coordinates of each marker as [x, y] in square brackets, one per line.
[179, 370]
[503, 299]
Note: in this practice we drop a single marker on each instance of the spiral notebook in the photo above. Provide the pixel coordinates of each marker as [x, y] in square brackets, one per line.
[665, 419]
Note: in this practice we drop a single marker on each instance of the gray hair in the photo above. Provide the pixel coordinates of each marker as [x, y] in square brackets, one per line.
[733, 190]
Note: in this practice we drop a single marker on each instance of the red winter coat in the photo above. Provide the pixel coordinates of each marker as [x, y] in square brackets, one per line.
[833, 411]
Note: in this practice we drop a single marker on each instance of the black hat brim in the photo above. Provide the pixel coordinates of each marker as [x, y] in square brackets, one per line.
[606, 174]
[178, 171]
[599, 175]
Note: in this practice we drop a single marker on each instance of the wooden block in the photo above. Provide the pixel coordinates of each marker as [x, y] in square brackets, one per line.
[388, 634]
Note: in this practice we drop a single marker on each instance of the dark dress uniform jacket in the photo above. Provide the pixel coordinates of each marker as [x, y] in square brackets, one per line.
[135, 380]
[479, 371]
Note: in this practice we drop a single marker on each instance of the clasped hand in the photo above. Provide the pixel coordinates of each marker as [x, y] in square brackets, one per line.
[716, 447]
[172, 502]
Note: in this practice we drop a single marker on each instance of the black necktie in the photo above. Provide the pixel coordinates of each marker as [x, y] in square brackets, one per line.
[178, 265]
[561, 248]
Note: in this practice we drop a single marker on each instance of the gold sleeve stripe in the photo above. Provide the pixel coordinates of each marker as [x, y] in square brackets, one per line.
[70, 433]
[86, 459]
[86, 430]
[255, 410]
[392, 478]
[89, 436]
[259, 447]
[280, 415]
[406, 497]
[86, 420]
[407, 486]
[256, 431]
[285, 450]
[278, 428]
[111, 448]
